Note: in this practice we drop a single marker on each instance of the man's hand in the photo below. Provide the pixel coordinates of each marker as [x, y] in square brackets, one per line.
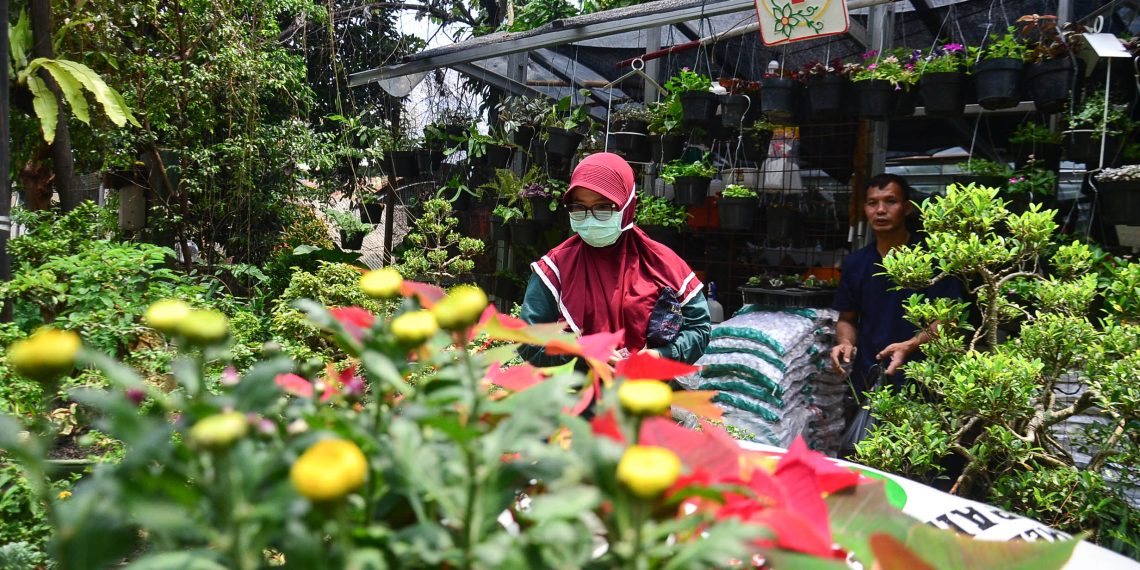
[651, 352]
[897, 352]
[841, 354]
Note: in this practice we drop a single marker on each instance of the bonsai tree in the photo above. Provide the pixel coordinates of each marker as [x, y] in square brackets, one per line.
[995, 404]
[655, 211]
[438, 254]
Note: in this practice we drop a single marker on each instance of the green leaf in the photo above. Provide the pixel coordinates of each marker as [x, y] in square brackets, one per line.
[788, 560]
[20, 40]
[113, 103]
[191, 560]
[71, 88]
[47, 109]
[568, 503]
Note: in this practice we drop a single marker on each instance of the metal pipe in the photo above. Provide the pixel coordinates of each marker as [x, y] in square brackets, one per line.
[6, 185]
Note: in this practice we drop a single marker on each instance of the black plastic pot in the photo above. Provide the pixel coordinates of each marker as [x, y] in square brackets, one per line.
[698, 108]
[755, 145]
[635, 147]
[828, 96]
[667, 147]
[943, 94]
[541, 212]
[737, 213]
[372, 212]
[732, 110]
[878, 99]
[428, 160]
[690, 190]
[500, 231]
[562, 142]
[525, 232]
[906, 100]
[629, 126]
[1119, 201]
[523, 135]
[778, 98]
[498, 156]
[455, 132]
[997, 82]
[666, 236]
[1048, 83]
[1046, 155]
[1083, 145]
[400, 163]
[351, 241]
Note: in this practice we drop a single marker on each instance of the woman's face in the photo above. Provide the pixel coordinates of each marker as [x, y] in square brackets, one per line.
[587, 197]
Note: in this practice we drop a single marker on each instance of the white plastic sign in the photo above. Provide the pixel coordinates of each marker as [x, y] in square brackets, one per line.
[785, 21]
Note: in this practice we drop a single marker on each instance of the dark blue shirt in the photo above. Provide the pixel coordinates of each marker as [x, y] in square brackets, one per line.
[880, 316]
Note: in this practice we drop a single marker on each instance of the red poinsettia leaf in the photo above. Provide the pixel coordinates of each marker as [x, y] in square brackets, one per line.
[583, 402]
[428, 295]
[802, 494]
[890, 554]
[695, 448]
[645, 366]
[353, 319]
[294, 384]
[794, 531]
[599, 346]
[606, 425]
[510, 329]
[829, 475]
[699, 402]
[515, 378]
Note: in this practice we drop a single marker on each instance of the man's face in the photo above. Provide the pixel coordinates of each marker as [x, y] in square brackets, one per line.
[886, 210]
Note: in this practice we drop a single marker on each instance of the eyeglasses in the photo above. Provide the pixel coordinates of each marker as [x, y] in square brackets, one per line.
[601, 212]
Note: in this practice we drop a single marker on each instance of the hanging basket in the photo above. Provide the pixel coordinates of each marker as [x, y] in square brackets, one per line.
[400, 163]
[525, 232]
[690, 190]
[997, 82]
[629, 126]
[523, 136]
[428, 160]
[541, 212]
[634, 147]
[562, 142]
[498, 156]
[1119, 201]
[372, 212]
[732, 109]
[698, 108]
[878, 99]
[778, 97]
[351, 241]
[1048, 83]
[755, 145]
[500, 231]
[737, 213]
[943, 94]
[828, 96]
[1084, 147]
[667, 148]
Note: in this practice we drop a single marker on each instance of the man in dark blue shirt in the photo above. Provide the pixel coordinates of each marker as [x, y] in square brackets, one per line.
[871, 324]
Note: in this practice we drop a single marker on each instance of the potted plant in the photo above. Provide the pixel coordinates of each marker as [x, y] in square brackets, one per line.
[698, 103]
[982, 172]
[882, 82]
[829, 89]
[737, 206]
[779, 95]
[942, 80]
[998, 75]
[562, 125]
[629, 132]
[1029, 185]
[667, 138]
[520, 118]
[1034, 140]
[542, 199]
[371, 208]
[1049, 73]
[757, 138]
[352, 230]
[660, 219]
[735, 105]
[501, 216]
[455, 124]
[1118, 191]
[690, 180]
[429, 157]
[399, 153]
[1091, 126]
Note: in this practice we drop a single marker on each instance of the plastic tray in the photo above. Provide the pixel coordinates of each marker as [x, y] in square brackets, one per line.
[789, 297]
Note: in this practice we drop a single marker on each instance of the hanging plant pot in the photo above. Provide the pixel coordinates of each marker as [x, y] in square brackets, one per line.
[1084, 147]
[667, 147]
[690, 190]
[943, 94]
[400, 163]
[1119, 201]
[635, 147]
[629, 126]
[455, 132]
[372, 212]
[562, 142]
[428, 160]
[732, 110]
[906, 101]
[500, 231]
[558, 167]
[541, 212]
[828, 96]
[778, 97]
[698, 108]
[1046, 155]
[351, 241]
[666, 236]
[737, 213]
[525, 232]
[523, 135]
[1048, 83]
[498, 156]
[754, 147]
[997, 82]
[878, 99]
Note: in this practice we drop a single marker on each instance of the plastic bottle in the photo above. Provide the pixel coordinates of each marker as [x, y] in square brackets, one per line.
[716, 310]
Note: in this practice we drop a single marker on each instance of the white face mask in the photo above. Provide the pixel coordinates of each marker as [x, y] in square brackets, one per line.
[601, 234]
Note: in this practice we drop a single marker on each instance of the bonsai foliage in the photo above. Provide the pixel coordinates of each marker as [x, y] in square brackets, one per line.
[995, 404]
[654, 211]
[427, 454]
[438, 254]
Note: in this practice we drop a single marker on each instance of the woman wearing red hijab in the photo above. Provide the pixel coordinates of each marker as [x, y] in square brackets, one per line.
[610, 276]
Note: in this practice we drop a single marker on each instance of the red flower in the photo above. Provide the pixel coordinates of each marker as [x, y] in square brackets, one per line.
[354, 320]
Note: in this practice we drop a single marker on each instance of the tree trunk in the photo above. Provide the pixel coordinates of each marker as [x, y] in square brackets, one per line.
[62, 163]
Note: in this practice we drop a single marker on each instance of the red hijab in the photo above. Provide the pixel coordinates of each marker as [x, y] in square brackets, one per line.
[612, 288]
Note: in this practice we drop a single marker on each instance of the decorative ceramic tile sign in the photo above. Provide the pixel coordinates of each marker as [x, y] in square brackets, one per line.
[785, 21]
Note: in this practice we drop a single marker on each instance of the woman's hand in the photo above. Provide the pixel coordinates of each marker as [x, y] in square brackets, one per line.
[651, 352]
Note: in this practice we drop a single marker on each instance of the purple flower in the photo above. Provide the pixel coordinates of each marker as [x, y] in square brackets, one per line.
[870, 54]
[952, 48]
[135, 395]
[909, 66]
[872, 67]
[915, 55]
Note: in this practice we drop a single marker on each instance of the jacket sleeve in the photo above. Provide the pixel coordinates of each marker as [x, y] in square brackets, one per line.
[539, 306]
[694, 336]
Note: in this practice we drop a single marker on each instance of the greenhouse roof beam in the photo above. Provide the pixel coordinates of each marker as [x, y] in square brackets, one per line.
[497, 80]
[928, 17]
[578, 28]
[542, 59]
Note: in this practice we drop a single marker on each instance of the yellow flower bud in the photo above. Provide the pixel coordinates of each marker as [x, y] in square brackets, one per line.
[383, 283]
[44, 355]
[329, 470]
[648, 470]
[461, 308]
[203, 327]
[219, 431]
[165, 315]
[414, 328]
[645, 397]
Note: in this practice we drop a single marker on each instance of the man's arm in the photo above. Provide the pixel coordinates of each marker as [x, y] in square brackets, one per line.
[845, 336]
